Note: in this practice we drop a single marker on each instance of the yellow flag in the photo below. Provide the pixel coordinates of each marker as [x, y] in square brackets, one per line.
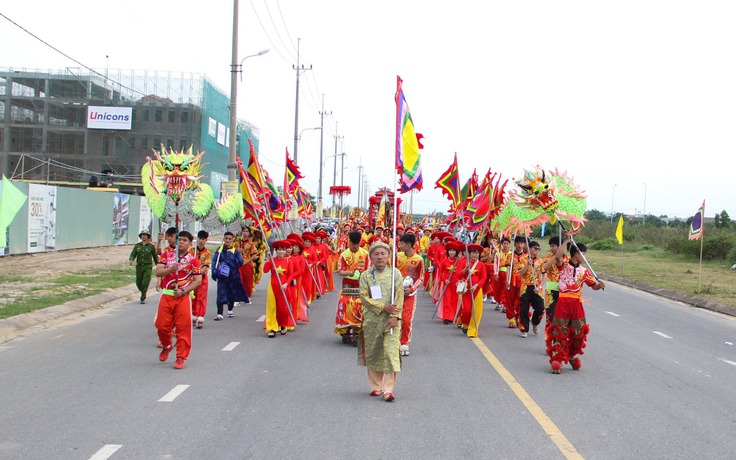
[620, 230]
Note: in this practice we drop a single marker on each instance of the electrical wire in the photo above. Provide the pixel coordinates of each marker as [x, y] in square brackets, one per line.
[276, 29]
[268, 37]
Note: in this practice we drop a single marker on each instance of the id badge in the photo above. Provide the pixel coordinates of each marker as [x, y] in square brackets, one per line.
[376, 293]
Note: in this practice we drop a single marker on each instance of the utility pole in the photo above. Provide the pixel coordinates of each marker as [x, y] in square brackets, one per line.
[299, 68]
[334, 173]
[322, 115]
[232, 164]
[360, 180]
[342, 174]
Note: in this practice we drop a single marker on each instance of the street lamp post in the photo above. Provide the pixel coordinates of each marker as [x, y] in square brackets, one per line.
[613, 192]
[645, 202]
[232, 164]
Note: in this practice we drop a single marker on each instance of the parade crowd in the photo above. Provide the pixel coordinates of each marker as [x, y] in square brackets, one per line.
[378, 289]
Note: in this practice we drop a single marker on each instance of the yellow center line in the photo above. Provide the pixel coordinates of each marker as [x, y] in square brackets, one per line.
[554, 433]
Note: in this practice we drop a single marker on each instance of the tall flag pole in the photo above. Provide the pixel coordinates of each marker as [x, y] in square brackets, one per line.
[697, 226]
[408, 144]
[620, 238]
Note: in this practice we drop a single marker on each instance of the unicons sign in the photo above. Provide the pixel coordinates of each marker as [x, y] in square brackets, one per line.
[109, 117]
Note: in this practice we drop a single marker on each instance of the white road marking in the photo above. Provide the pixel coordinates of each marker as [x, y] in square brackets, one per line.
[173, 394]
[728, 361]
[231, 346]
[261, 319]
[106, 452]
[729, 343]
[662, 334]
[612, 313]
[59, 336]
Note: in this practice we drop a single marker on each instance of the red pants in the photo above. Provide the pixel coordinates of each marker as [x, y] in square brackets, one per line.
[568, 333]
[512, 294]
[407, 316]
[175, 312]
[246, 277]
[199, 304]
[499, 288]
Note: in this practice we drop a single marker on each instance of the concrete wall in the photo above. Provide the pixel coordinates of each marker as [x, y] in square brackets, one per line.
[84, 219]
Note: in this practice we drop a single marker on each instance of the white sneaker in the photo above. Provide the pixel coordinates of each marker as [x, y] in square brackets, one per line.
[218, 318]
[524, 335]
[200, 322]
[485, 298]
[404, 350]
[230, 314]
[535, 329]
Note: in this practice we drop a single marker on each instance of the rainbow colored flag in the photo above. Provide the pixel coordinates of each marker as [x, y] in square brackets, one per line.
[408, 143]
[698, 223]
[291, 176]
[255, 172]
[449, 184]
[251, 205]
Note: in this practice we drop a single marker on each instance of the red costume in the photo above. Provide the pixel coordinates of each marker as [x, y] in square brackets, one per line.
[175, 313]
[567, 335]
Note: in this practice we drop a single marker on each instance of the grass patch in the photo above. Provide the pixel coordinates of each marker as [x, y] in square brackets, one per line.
[66, 287]
[661, 268]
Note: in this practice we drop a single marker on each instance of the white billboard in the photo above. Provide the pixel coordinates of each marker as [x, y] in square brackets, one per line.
[41, 218]
[109, 117]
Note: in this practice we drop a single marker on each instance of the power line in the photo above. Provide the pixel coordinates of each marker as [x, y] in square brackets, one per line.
[291, 40]
[268, 37]
[133, 90]
[277, 30]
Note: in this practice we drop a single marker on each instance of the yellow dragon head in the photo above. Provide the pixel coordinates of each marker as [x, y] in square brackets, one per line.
[536, 191]
[178, 170]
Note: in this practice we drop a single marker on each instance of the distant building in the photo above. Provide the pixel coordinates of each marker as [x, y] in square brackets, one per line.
[75, 126]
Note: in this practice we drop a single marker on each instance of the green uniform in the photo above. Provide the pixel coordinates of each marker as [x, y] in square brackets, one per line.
[145, 257]
[379, 348]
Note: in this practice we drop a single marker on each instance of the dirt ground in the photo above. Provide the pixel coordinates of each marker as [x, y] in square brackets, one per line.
[40, 265]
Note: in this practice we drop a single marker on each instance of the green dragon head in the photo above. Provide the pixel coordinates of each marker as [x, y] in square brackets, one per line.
[178, 170]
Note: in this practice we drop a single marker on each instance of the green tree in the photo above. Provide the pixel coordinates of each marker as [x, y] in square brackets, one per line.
[594, 214]
[725, 220]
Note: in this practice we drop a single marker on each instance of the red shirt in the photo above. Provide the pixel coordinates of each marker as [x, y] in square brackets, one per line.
[188, 268]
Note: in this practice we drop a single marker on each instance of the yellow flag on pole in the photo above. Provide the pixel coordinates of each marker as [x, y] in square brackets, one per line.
[620, 230]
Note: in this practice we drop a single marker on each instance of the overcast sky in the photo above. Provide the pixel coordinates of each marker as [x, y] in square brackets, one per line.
[635, 99]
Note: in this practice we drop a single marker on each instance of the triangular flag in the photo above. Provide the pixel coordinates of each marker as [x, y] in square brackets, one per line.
[11, 200]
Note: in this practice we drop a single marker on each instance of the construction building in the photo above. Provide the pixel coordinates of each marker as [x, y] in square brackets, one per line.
[79, 126]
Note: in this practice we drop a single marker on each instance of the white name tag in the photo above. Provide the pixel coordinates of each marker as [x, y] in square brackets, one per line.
[376, 293]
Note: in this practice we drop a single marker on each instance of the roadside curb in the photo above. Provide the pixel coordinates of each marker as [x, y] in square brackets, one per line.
[19, 325]
[666, 293]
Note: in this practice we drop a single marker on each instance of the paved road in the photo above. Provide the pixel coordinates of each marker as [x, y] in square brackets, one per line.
[656, 382]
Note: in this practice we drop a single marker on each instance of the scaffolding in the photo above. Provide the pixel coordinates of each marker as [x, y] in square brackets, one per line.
[43, 133]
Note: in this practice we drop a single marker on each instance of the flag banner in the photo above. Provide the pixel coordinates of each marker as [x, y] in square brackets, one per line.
[698, 223]
[620, 230]
[251, 205]
[448, 183]
[11, 201]
[255, 172]
[407, 145]
[291, 176]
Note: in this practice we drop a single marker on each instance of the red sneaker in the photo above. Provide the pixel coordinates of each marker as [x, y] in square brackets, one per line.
[376, 393]
[179, 364]
[388, 397]
[165, 353]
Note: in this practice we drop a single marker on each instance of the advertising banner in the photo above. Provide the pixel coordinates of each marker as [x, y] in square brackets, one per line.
[120, 217]
[41, 218]
[146, 217]
[109, 117]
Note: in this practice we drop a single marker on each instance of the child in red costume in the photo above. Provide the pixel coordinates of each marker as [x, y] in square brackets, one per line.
[567, 335]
